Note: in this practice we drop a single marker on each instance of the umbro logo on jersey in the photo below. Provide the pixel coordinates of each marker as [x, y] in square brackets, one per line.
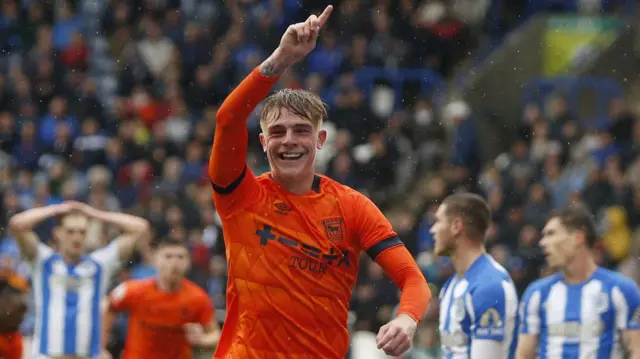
[282, 208]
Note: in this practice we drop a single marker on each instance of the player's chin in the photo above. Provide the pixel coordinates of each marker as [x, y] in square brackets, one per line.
[439, 250]
[291, 169]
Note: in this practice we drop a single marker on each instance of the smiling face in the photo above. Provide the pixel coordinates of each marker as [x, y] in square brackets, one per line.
[291, 143]
[291, 134]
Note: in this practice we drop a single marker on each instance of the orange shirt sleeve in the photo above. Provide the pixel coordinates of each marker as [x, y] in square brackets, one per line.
[400, 266]
[234, 185]
[18, 283]
[206, 312]
[124, 296]
[375, 233]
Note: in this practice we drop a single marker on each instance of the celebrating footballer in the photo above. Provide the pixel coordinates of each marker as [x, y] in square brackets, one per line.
[293, 237]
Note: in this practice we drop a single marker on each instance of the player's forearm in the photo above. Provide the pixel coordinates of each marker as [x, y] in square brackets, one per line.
[525, 355]
[486, 349]
[107, 323]
[238, 106]
[526, 346]
[415, 297]
[229, 151]
[632, 342]
[126, 222]
[276, 64]
[403, 270]
[25, 221]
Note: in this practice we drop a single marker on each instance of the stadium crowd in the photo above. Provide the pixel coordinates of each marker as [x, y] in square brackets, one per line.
[115, 106]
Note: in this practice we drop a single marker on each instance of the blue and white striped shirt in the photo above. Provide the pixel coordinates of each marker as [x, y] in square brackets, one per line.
[580, 320]
[482, 304]
[68, 318]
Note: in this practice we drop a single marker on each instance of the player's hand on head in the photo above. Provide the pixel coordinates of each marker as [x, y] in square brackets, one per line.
[300, 39]
[396, 337]
[82, 207]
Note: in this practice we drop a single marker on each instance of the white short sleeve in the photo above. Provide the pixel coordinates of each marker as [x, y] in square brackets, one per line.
[486, 349]
[108, 257]
[43, 252]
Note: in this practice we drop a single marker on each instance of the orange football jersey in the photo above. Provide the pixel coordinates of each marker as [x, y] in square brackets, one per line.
[13, 288]
[157, 318]
[293, 262]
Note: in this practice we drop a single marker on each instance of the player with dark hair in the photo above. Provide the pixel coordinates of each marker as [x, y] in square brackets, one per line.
[294, 238]
[69, 284]
[583, 311]
[168, 314]
[478, 304]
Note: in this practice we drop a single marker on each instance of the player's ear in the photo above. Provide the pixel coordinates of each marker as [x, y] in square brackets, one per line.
[322, 137]
[578, 237]
[263, 142]
[456, 226]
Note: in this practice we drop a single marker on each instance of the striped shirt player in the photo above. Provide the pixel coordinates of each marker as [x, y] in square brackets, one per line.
[582, 320]
[480, 305]
[69, 285]
[67, 300]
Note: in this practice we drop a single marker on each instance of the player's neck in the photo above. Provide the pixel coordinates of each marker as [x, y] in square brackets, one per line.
[70, 259]
[464, 257]
[300, 187]
[168, 285]
[580, 269]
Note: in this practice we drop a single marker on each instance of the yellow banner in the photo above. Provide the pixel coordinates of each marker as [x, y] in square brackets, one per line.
[572, 40]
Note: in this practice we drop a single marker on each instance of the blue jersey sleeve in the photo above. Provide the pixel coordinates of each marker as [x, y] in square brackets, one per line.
[529, 312]
[489, 306]
[627, 303]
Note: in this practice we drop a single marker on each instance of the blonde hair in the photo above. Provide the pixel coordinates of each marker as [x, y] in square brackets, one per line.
[302, 103]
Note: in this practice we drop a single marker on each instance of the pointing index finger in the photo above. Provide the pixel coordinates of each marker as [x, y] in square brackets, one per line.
[322, 19]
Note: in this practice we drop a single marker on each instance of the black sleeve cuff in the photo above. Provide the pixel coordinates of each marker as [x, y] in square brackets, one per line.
[383, 245]
[231, 187]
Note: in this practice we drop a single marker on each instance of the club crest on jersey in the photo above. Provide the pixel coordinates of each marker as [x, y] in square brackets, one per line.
[333, 228]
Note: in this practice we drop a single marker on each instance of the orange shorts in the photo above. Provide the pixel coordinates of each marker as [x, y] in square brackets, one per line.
[11, 346]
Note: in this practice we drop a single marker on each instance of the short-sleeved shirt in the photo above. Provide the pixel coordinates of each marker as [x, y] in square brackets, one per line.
[580, 320]
[67, 301]
[480, 305]
[157, 318]
[293, 263]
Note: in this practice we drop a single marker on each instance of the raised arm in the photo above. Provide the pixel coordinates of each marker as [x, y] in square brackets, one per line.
[133, 228]
[229, 151]
[21, 226]
[233, 183]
